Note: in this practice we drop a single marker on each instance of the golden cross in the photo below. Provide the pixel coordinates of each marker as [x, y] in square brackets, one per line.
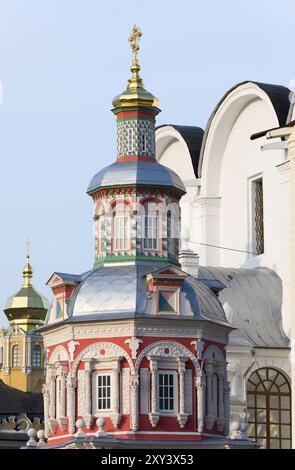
[134, 39]
[28, 247]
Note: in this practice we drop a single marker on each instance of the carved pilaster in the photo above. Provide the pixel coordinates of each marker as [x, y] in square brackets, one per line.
[7, 356]
[45, 392]
[62, 420]
[134, 403]
[116, 415]
[200, 384]
[88, 399]
[24, 354]
[226, 392]
[71, 390]
[181, 416]
[220, 422]
[52, 399]
[154, 414]
[210, 416]
[29, 367]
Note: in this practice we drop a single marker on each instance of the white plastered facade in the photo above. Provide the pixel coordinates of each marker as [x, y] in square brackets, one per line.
[217, 209]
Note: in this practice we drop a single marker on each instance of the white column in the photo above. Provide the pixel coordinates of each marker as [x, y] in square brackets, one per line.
[62, 420]
[7, 355]
[71, 390]
[134, 403]
[210, 416]
[181, 416]
[116, 416]
[24, 353]
[200, 384]
[45, 392]
[52, 398]
[154, 414]
[221, 416]
[226, 392]
[88, 395]
[29, 354]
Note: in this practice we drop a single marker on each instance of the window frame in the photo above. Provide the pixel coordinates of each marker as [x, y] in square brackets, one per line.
[253, 225]
[174, 374]
[95, 410]
[264, 407]
[40, 357]
[117, 215]
[17, 365]
[156, 227]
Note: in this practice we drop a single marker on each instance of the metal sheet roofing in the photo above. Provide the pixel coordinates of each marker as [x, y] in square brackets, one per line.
[252, 300]
[140, 173]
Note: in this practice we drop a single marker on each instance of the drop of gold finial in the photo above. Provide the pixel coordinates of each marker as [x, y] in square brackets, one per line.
[135, 81]
[27, 272]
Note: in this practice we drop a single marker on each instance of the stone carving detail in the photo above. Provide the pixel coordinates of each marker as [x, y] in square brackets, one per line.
[134, 403]
[101, 351]
[125, 395]
[59, 354]
[199, 347]
[144, 390]
[71, 348]
[81, 393]
[133, 345]
[168, 349]
[188, 391]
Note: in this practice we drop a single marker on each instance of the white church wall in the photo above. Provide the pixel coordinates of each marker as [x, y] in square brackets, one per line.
[218, 212]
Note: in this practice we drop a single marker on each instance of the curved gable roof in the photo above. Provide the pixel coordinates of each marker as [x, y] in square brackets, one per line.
[193, 137]
[278, 95]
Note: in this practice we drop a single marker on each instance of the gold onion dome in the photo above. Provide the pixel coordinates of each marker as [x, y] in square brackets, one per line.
[27, 303]
[135, 95]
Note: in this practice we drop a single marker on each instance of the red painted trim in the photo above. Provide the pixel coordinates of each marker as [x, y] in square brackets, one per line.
[134, 158]
[123, 114]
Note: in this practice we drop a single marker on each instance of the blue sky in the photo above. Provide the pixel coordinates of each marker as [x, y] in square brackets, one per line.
[62, 62]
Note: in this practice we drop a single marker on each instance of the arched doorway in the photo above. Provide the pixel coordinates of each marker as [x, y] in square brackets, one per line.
[269, 408]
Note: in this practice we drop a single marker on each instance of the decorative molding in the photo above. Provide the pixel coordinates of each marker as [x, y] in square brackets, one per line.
[199, 347]
[59, 354]
[125, 395]
[71, 348]
[81, 393]
[167, 349]
[144, 390]
[133, 345]
[182, 419]
[188, 384]
[101, 351]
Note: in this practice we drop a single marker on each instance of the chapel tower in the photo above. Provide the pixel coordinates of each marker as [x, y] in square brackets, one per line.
[21, 345]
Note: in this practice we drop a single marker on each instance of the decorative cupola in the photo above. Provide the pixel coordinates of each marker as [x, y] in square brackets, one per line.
[21, 345]
[135, 109]
[136, 199]
[27, 308]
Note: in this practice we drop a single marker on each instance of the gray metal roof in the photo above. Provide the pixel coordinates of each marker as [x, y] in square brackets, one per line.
[278, 95]
[141, 173]
[14, 402]
[116, 292]
[193, 137]
[252, 300]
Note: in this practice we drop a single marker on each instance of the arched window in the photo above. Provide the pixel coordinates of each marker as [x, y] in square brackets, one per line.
[15, 356]
[269, 408]
[37, 356]
[121, 227]
[100, 234]
[151, 226]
